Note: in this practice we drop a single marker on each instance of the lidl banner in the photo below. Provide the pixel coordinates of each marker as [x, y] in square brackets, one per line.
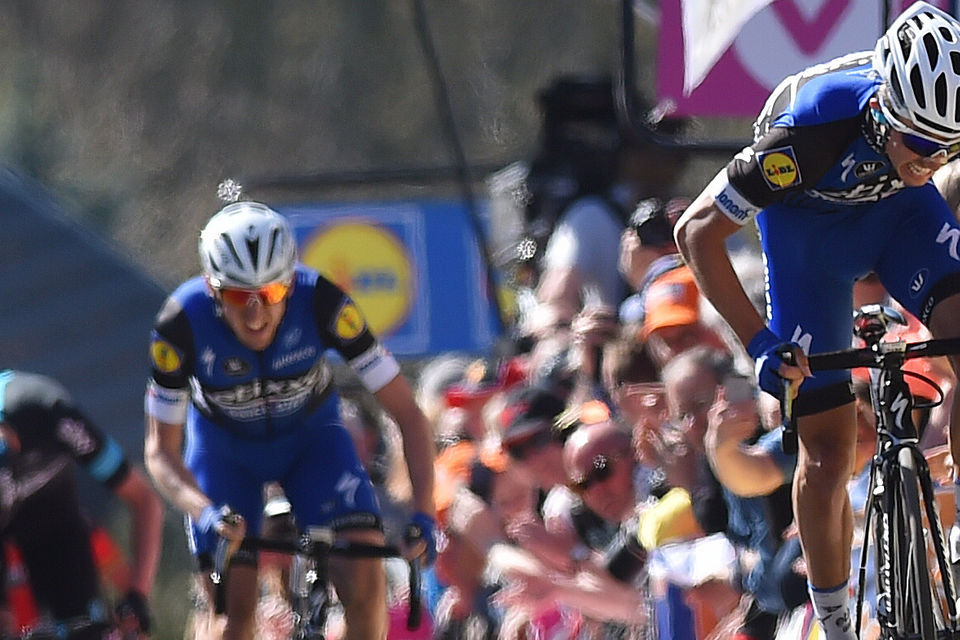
[724, 57]
[414, 268]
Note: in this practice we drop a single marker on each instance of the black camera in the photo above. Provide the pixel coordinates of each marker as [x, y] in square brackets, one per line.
[651, 223]
[625, 558]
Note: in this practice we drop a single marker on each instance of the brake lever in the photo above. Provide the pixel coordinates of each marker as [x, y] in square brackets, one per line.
[788, 421]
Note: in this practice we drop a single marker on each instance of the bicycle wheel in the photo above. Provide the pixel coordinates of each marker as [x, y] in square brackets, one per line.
[910, 595]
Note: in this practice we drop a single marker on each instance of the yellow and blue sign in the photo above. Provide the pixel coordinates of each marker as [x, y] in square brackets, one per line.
[372, 265]
[414, 269]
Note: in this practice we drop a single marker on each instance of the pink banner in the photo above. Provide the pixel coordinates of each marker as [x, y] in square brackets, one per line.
[780, 39]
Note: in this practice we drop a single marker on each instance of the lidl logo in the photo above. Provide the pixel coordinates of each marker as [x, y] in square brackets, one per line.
[372, 265]
[349, 323]
[164, 355]
[779, 167]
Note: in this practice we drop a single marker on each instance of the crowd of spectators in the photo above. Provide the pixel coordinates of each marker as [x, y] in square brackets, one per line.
[619, 475]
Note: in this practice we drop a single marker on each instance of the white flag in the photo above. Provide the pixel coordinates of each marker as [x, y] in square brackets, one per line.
[709, 27]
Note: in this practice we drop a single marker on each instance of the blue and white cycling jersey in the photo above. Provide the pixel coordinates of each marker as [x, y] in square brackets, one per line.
[271, 415]
[258, 394]
[831, 208]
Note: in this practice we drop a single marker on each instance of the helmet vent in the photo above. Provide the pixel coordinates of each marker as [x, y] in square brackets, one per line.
[905, 40]
[955, 62]
[940, 89]
[274, 243]
[946, 34]
[916, 83]
[933, 54]
[896, 89]
[253, 246]
[233, 250]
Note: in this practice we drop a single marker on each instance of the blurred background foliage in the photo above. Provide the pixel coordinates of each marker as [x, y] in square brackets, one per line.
[132, 111]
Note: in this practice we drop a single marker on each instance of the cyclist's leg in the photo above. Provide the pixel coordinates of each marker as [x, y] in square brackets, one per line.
[224, 468]
[362, 586]
[922, 272]
[329, 486]
[812, 263]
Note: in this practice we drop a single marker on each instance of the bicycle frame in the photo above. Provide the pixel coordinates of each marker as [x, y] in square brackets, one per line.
[309, 577]
[900, 486]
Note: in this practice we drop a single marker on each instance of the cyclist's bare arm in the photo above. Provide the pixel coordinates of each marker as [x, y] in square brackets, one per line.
[744, 469]
[701, 234]
[418, 447]
[162, 450]
[146, 512]
[943, 324]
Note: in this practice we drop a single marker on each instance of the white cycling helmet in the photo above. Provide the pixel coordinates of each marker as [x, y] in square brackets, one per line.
[248, 245]
[919, 60]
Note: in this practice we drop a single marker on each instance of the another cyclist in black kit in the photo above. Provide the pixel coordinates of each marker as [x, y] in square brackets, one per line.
[42, 433]
[838, 179]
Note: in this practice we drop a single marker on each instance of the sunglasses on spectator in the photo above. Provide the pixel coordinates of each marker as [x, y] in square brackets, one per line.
[929, 148]
[520, 450]
[268, 294]
[652, 392]
[601, 470]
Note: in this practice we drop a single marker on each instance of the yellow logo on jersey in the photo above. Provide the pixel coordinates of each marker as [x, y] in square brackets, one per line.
[372, 265]
[164, 355]
[779, 167]
[349, 323]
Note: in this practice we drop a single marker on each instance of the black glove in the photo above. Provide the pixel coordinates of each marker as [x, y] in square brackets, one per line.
[134, 605]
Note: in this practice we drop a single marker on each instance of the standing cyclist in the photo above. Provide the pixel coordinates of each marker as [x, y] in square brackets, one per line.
[241, 394]
[42, 433]
[838, 179]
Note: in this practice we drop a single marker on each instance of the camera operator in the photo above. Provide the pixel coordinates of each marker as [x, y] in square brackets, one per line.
[583, 185]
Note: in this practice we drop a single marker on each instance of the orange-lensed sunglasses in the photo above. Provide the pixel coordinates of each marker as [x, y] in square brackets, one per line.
[267, 294]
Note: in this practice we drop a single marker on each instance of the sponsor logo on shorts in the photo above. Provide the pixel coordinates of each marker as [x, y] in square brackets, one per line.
[917, 282]
[779, 167]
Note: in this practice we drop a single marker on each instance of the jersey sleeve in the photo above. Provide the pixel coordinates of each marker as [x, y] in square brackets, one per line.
[45, 417]
[171, 361]
[343, 327]
[788, 159]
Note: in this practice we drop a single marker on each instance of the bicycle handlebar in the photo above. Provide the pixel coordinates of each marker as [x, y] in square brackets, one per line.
[867, 357]
[339, 548]
[870, 357]
[318, 550]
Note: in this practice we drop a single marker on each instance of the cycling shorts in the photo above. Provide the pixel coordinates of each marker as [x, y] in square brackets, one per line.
[315, 463]
[813, 258]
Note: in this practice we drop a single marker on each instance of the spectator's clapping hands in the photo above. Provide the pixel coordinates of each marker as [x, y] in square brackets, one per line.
[553, 550]
[731, 422]
[531, 593]
[630, 262]
[590, 329]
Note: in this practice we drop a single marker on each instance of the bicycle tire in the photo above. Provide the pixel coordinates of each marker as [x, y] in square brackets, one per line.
[911, 596]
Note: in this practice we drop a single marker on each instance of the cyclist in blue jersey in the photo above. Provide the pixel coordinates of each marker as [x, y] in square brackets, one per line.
[241, 394]
[42, 433]
[838, 180]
